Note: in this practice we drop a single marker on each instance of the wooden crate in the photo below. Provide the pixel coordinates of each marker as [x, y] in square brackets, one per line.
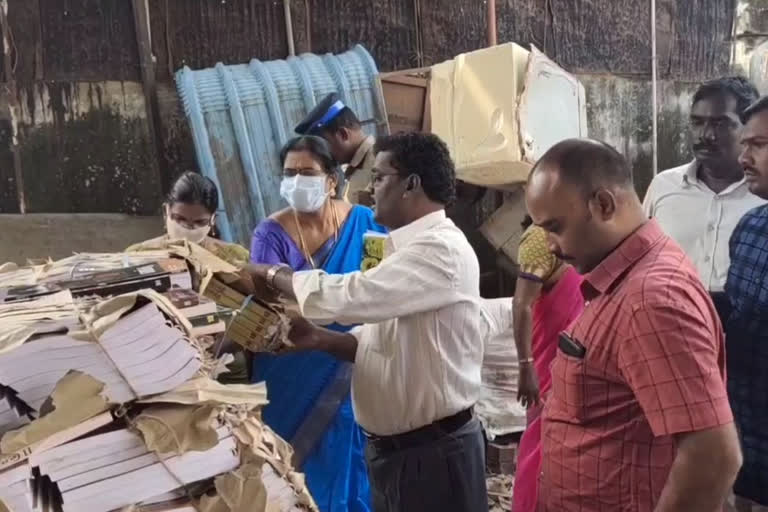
[406, 96]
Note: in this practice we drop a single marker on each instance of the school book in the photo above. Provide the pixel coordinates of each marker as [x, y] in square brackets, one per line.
[190, 303]
[373, 249]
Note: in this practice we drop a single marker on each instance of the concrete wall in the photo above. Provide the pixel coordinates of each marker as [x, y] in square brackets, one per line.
[33, 236]
[619, 112]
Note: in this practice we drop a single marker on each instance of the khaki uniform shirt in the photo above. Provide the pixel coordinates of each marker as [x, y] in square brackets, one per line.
[359, 171]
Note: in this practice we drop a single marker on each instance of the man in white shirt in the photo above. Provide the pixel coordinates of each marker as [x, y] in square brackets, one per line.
[699, 204]
[418, 355]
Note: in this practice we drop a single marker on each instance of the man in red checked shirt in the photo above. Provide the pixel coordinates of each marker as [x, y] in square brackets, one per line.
[638, 417]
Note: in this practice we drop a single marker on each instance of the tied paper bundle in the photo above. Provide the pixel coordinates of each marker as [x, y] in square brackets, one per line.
[201, 447]
[187, 443]
[256, 325]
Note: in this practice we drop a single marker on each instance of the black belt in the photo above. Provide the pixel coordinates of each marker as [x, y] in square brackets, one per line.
[422, 435]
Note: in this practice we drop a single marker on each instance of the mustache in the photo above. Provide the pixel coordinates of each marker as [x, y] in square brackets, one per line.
[704, 145]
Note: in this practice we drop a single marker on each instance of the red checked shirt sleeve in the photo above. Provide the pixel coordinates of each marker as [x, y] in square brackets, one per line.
[674, 362]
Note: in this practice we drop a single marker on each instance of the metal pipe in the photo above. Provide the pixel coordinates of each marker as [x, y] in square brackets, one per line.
[654, 103]
[491, 12]
[289, 27]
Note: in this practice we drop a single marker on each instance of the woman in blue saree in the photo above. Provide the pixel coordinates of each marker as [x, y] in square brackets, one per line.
[309, 399]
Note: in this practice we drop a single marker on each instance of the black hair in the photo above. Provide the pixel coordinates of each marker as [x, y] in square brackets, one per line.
[587, 163]
[739, 87]
[427, 156]
[317, 146]
[194, 188]
[526, 222]
[319, 149]
[346, 118]
[757, 107]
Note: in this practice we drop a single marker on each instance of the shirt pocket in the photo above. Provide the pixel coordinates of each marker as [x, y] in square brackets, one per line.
[568, 385]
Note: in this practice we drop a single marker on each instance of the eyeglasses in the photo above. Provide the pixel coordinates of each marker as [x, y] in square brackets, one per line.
[377, 177]
[309, 171]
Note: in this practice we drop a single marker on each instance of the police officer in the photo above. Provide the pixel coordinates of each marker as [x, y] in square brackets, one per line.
[350, 146]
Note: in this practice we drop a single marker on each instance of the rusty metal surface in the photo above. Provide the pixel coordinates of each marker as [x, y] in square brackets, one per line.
[9, 202]
[24, 20]
[201, 33]
[88, 40]
[455, 27]
[613, 36]
[386, 28]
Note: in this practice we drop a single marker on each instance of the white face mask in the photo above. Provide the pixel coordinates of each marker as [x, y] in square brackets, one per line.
[304, 193]
[178, 232]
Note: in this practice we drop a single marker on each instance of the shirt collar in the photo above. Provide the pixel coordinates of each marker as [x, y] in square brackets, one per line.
[691, 177]
[401, 236]
[362, 151]
[615, 265]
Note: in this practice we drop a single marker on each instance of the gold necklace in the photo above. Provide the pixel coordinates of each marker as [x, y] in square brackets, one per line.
[304, 249]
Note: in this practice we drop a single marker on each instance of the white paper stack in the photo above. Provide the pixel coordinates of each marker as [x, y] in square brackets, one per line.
[278, 491]
[113, 470]
[15, 488]
[13, 415]
[140, 347]
[151, 354]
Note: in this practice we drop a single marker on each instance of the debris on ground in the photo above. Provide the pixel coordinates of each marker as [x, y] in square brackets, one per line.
[500, 492]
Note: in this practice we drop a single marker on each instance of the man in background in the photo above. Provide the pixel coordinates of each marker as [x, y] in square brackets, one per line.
[638, 416]
[350, 146]
[747, 326]
[699, 204]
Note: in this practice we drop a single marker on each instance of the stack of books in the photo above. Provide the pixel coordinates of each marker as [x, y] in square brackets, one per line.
[14, 489]
[60, 458]
[160, 276]
[205, 316]
[14, 413]
[115, 469]
[255, 325]
[140, 355]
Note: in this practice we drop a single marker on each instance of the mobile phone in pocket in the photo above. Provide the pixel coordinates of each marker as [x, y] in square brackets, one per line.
[571, 347]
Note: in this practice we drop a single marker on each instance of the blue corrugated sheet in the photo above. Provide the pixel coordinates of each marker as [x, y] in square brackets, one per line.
[241, 115]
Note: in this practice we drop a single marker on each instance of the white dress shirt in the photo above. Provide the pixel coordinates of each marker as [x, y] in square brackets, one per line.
[420, 350]
[698, 219]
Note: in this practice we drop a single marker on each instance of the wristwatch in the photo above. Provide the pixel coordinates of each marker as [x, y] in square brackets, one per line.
[272, 273]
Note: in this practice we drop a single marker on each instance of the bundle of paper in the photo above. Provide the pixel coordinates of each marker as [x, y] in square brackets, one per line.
[205, 316]
[116, 469]
[76, 266]
[139, 355]
[21, 320]
[14, 413]
[256, 325]
[14, 489]
[183, 441]
[159, 275]
[167, 452]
